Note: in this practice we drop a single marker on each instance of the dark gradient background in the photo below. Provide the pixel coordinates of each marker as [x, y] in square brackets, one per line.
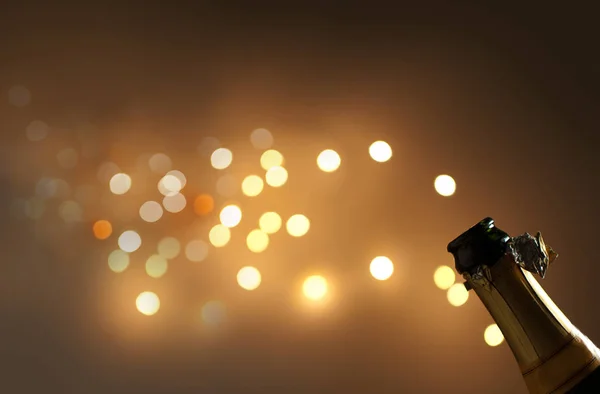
[505, 99]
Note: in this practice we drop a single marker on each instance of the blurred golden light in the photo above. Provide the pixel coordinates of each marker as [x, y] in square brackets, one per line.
[231, 216]
[219, 235]
[297, 225]
[381, 268]
[67, 158]
[129, 241]
[169, 248]
[37, 131]
[457, 294]
[213, 313]
[380, 151]
[147, 303]
[315, 287]
[151, 211]
[276, 176]
[19, 96]
[221, 158]
[204, 204]
[118, 261]
[196, 250]
[493, 335]
[169, 185]
[120, 183]
[227, 185]
[444, 277]
[270, 222]
[102, 229]
[179, 175]
[445, 185]
[70, 211]
[257, 241]
[252, 185]
[160, 163]
[107, 170]
[156, 266]
[271, 158]
[261, 139]
[329, 160]
[249, 278]
[175, 203]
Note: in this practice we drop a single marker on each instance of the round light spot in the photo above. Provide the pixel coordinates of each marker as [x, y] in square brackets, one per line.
[196, 250]
[315, 287]
[151, 211]
[129, 241]
[169, 248]
[102, 229]
[147, 303]
[381, 268]
[213, 313]
[156, 266]
[118, 261]
[70, 211]
[249, 278]
[175, 203]
[380, 151]
[179, 175]
[204, 204]
[227, 185]
[169, 185]
[261, 139]
[493, 335]
[120, 183]
[270, 222]
[329, 160]
[297, 225]
[276, 176]
[444, 277]
[19, 96]
[37, 131]
[445, 185]
[252, 185]
[67, 158]
[271, 158]
[219, 236]
[458, 294]
[231, 216]
[221, 158]
[257, 241]
[160, 163]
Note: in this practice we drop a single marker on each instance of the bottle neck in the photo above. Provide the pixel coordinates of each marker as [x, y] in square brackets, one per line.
[552, 354]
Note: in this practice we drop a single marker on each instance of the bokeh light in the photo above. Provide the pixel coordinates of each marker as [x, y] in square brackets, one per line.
[276, 176]
[493, 335]
[380, 151]
[208, 145]
[129, 241]
[151, 211]
[160, 163]
[213, 313]
[106, 171]
[444, 277]
[270, 222]
[196, 250]
[147, 303]
[120, 183]
[19, 96]
[261, 139]
[179, 175]
[204, 204]
[102, 229]
[168, 248]
[67, 158]
[315, 287]
[445, 185]
[169, 185]
[257, 241]
[249, 278]
[70, 211]
[230, 216]
[219, 235]
[457, 294]
[297, 225]
[118, 261]
[252, 185]
[175, 203]
[37, 131]
[271, 158]
[156, 266]
[329, 160]
[221, 158]
[381, 268]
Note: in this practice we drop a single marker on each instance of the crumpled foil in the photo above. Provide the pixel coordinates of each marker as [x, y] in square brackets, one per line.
[531, 253]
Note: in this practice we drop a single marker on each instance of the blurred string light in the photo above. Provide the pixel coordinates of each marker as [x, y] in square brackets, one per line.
[37, 131]
[257, 241]
[67, 158]
[156, 266]
[147, 303]
[444, 277]
[213, 313]
[445, 185]
[249, 278]
[180, 176]
[219, 235]
[102, 229]
[261, 139]
[120, 183]
[457, 294]
[276, 176]
[271, 158]
[227, 185]
[168, 248]
[493, 335]
[19, 96]
[297, 225]
[118, 261]
[230, 216]
[380, 151]
[175, 203]
[221, 158]
[160, 163]
[151, 211]
[169, 185]
[381, 268]
[196, 250]
[129, 241]
[252, 185]
[204, 204]
[315, 287]
[329, 160]
[270, 222]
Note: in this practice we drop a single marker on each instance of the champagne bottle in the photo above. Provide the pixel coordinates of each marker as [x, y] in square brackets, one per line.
[552, 354]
